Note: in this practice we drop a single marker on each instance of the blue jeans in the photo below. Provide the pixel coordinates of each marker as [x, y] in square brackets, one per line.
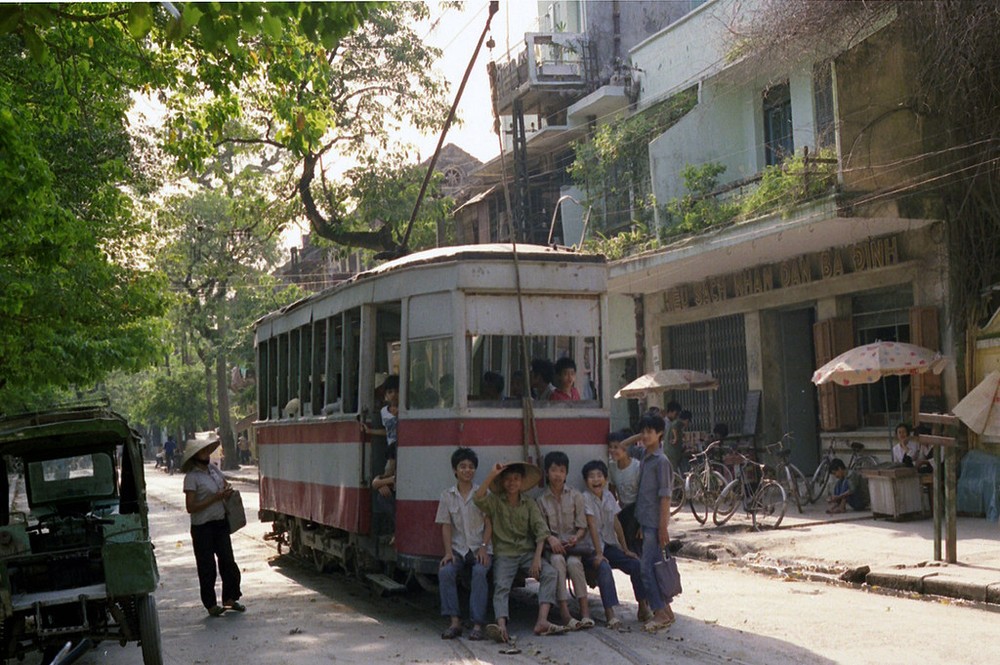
[448, 586]
[505, 569]
[651, 553]
[631, 567]
[605, 581]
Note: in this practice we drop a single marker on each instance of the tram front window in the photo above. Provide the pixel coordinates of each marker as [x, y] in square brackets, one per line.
[431, 378]
[498, 377]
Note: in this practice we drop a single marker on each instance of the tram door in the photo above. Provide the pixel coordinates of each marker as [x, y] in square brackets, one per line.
[384, 355]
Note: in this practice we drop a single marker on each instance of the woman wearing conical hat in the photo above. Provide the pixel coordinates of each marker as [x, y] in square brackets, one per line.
[205, 489]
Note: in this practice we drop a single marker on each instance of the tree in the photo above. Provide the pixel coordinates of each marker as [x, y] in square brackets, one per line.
[220, 242]
[78, 299]
[314, 104]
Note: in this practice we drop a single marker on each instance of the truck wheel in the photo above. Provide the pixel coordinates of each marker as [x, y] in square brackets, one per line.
[149, 631]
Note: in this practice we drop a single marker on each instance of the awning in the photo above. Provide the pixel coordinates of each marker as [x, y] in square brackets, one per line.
[748, 245]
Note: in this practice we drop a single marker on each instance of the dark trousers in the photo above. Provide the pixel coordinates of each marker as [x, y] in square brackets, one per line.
[211, 541]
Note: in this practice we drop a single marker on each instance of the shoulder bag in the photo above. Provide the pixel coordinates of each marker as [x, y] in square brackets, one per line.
[668, 579]
[236, 516]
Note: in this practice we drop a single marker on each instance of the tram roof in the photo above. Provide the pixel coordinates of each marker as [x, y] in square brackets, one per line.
[454, 254]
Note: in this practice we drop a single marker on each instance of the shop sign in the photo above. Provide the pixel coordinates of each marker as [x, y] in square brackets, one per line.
[805, 269]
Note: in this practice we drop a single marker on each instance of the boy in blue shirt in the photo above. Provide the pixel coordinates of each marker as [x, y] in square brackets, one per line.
[652, 510]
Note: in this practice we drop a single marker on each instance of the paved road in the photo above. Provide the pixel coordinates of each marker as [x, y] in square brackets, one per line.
[726, 615]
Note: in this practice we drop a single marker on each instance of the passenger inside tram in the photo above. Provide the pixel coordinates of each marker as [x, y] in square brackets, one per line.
[565, 370]
[492, 386]
[542, 374]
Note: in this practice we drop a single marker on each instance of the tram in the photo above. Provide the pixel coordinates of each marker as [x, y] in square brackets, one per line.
[440, 319]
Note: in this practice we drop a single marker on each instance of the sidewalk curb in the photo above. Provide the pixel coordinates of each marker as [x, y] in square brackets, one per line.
[928, 582]
[242, 479]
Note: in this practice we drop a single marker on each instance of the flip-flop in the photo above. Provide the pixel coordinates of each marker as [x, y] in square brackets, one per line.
[476, 635]
[216, 610]
[573, 624]
[615, 624]
[553, 629]
[235, 606]
[655, 626]
[585, 623]
[495, 633]
[451, 632]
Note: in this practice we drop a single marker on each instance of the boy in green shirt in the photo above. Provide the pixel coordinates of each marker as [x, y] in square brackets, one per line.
[519, 534]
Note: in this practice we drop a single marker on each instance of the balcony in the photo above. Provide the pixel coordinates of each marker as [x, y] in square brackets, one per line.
[554, 70]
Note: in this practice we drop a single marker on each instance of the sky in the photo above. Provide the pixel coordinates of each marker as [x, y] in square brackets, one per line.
[456, 33]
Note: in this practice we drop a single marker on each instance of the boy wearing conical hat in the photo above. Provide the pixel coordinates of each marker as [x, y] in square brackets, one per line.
[519, 534]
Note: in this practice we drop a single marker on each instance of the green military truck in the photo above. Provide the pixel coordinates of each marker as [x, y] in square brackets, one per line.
[76, 562]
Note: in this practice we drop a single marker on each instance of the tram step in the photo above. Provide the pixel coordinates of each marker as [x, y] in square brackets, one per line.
[387, 584]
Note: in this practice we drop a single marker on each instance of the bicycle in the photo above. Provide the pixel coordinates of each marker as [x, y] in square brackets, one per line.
[703, 484]
[763, 499]
[786, 472]
[822, 474]
[678, 494]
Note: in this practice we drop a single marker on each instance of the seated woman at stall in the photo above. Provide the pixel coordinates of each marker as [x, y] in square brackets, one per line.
[906, 450]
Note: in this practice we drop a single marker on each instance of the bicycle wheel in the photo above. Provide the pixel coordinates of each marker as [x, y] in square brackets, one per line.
[767, 508]
[724, 471]
[678, 494]
[725, 505]
[802, 483]
[790, 482]
[695, 491]
[865, 462]
[820, 478]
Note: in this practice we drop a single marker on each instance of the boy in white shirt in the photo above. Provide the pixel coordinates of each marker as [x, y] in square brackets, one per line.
[609, 539]
[465, 533]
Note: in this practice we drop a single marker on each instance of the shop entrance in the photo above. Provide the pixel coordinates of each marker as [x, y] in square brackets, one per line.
[798, 413]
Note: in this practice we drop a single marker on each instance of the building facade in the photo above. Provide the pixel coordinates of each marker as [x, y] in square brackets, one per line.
[763, 301]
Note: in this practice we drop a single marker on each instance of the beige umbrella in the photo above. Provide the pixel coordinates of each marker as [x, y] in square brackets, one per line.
[871, 362]
[668, 379]
[980, 409]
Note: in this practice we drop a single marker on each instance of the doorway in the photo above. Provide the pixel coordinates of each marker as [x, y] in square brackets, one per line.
[798, 413]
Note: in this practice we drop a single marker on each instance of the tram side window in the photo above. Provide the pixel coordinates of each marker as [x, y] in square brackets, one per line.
[352, 359]
[333, 364]
[496, 360]
[304, 389]
[272, 378]
[317, 369]
[431, 378]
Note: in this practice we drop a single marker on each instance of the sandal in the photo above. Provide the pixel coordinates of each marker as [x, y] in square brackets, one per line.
[236, 606]
[495, 633]
[573, 624]
[553, 629]
[654, 626]
[476, 635]
[216, 610]
[585, 623]
[615, 624]
[451, 632]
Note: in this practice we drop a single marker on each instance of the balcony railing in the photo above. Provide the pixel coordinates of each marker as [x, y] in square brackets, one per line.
[551, 62]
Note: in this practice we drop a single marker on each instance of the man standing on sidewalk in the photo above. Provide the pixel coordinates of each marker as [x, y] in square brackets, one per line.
[169, 450]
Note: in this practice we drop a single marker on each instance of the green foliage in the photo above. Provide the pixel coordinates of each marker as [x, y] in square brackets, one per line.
[623, 244]
[382, 192]
[172, 397]
[784, 186]
[69, 312]
[697, 210]
[781, 188]
[613, 164]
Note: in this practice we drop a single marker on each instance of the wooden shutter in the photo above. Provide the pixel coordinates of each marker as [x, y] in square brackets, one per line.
[924, 331]
[838, 405]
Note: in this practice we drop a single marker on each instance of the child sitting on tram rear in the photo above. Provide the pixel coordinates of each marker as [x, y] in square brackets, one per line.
[466, 536]
[564, 512]
[519, 535]
[609, 542]
[565, 382]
